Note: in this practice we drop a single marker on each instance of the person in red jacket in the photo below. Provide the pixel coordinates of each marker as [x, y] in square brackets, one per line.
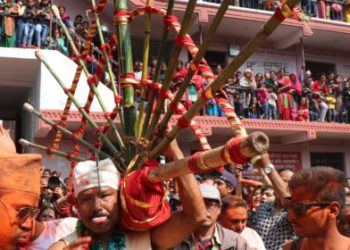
[320, 89]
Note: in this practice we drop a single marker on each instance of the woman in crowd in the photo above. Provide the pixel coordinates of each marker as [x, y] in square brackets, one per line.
[285, 97]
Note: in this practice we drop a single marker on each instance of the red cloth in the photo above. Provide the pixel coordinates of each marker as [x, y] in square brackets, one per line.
[317, 87]
[139, 188]
[179, 75]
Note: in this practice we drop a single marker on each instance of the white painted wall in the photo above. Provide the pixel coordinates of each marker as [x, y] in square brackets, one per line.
[51, 94]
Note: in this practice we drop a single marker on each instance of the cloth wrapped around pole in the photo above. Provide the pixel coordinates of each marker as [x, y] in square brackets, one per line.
[144, 204]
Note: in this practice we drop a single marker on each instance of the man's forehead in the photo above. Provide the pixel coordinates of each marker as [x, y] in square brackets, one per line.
[19, 198]
[96, 191]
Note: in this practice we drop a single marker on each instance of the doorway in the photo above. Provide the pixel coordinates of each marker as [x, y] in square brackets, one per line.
[317, 68]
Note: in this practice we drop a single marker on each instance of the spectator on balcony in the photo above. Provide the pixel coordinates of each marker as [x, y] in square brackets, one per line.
[85, 28]
[306, 6]
[295, 91]
[162, 72]
[178, 76]
[29, 16]
[248, 84]
[337, 10]
[321, 9]
[259, 79]
[285, 98]
[320, 90]
[255, 110]
[20, 23]
[272, 101]
[303, 110]
[138, 70]
[9, 30]
[78, 21]
[346, 100]
[65, 17]
[42, 27]
[270, 81]
[56, 42]
[263, 94]
[330, 101]
[347, 11]
[314, 8]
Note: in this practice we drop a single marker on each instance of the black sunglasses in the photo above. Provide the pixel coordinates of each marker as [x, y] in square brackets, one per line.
[300, 209]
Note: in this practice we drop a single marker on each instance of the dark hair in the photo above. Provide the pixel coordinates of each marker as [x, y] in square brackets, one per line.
[232, 201]
[266, 187]
[62, 7]
[47, 170]
[326, 183]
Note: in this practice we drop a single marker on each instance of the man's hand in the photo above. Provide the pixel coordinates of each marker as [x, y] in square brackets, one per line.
[173, 152]
[263, 161]
[6, 143]
[82, 242]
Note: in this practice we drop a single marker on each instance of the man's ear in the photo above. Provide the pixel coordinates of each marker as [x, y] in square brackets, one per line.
[334, 210]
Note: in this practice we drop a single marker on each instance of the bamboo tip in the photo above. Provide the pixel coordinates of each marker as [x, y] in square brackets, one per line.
[56, 11]
[24, 142]
[28, 107]
[259, 141]
[39, 54]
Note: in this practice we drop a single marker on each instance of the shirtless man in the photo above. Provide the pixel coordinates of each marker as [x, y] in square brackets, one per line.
[317, 197]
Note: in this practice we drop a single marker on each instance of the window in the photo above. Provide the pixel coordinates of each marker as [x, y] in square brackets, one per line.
[335, 160]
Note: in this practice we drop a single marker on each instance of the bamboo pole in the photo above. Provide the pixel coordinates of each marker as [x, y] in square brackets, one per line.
[255, 144]
[126, 66]
[172, 64]
[29, 108]
[104, 51]
[146, 43]
[84, 113]
[160, 56]
[209, 35]
[246, 52]
[93, 87]
[26, 143]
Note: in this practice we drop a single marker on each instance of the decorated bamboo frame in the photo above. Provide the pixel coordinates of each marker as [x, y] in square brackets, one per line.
[137, 138]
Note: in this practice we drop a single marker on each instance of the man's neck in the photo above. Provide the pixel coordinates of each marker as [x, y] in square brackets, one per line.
[332, 239]
[204, 233]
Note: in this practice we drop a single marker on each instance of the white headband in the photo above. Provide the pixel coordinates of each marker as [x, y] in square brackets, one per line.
[86, 176]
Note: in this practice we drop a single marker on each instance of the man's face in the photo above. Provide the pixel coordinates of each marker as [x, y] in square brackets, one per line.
[315, 220]
[213, 211]
[223, 187]
[235, 219]
[268, 195]
[98, 209]
[16, 218]
[286, 175]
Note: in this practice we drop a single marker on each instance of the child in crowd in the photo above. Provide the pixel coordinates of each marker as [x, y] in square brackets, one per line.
[330, 100]
[254, 111]
[303, 110]
[272, 101]
[263, 100]
[248, 84]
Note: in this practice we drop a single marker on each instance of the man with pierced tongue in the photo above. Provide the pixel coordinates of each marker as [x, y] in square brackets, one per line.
[96, 194]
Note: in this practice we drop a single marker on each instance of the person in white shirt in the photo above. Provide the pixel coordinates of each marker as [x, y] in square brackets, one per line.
[233, 216]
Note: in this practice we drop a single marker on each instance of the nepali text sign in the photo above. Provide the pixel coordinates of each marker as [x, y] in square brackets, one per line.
[286, 160]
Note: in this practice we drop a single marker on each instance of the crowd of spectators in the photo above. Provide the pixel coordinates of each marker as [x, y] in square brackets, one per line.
[30, 24]
[337, 10]
[273, 96]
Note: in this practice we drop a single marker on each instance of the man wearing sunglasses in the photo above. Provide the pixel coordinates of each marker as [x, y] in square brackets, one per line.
[19, 193]
[317, 198]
